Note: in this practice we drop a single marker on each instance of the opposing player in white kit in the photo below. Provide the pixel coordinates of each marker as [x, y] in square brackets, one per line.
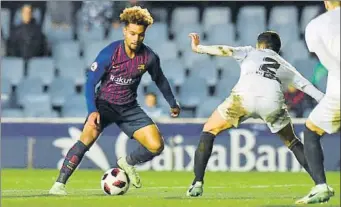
[258, 94]
[323, 38]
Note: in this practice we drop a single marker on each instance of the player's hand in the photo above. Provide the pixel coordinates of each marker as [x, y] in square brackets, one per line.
[94, 120]
[195, 41]
[175, 112]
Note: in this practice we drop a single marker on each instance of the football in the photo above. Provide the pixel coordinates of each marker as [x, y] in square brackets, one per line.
[115, 182]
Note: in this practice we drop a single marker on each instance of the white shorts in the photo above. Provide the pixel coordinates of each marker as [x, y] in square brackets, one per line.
[326, 115]
[238, 108]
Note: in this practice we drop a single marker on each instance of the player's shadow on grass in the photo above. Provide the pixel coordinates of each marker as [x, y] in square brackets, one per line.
[26, 196]
[48, 195]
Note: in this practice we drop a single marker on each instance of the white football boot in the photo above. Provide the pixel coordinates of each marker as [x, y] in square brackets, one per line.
[318, 194]
[131, 172]
[195, 190]
[58, 189]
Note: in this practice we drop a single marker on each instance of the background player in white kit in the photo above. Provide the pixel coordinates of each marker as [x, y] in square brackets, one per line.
[258, 94]
[323, 38]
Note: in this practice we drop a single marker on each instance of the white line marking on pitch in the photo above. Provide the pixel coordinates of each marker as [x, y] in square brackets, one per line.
[169, 187]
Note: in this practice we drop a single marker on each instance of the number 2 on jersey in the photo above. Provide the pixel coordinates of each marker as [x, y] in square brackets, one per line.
[269, 68]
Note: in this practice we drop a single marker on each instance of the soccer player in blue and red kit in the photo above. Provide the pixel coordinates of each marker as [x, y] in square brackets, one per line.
[119, 67]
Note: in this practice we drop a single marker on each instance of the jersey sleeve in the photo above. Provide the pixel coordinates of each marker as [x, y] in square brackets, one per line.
[95, 74]
[288, 74]
[155, 71]
[238, 53]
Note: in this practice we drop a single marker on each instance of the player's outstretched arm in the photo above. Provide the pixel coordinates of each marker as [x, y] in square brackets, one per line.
[218, 50]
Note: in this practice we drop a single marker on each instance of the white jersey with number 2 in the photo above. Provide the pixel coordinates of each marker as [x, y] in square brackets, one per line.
[259, 90]
[264, 72]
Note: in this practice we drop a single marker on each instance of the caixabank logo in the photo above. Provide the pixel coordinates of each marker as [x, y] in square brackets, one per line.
[241, 154]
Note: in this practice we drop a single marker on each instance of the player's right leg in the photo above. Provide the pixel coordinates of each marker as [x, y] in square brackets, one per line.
[76, 153]
[212, 128]
[321, 192]
[74, 157]
[290, 140]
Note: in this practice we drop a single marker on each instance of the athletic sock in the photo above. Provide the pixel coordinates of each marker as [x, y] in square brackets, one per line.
[202, 155]
[298, 149]
[71, 161]
[314, 155]
[141, 155]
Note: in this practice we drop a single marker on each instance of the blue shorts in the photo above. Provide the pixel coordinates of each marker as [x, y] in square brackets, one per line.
[128, 117]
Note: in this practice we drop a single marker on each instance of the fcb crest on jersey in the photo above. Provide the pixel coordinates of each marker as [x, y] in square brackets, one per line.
[141, 67]
[94, 66]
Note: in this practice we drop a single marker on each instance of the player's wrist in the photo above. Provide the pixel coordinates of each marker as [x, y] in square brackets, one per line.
[175, 104]
[199, 49]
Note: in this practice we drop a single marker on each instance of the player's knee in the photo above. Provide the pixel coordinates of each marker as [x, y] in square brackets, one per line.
[211, 128]
[89, 136]
[156, 147]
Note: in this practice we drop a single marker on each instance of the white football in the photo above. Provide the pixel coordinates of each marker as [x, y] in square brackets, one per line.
[115, 182]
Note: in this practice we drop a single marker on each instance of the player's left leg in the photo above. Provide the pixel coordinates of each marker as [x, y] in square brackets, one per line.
[227, 115]
[151, 145]
[138, 125]
[325, 118]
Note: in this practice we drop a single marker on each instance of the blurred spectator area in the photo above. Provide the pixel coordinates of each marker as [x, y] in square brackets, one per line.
[39, 85]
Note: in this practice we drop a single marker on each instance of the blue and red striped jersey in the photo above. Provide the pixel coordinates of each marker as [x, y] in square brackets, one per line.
[120, 75]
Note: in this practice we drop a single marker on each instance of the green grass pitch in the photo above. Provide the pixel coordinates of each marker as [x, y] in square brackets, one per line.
[29, 188]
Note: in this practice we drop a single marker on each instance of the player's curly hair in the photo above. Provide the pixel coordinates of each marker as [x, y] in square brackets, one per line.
[136, 15]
